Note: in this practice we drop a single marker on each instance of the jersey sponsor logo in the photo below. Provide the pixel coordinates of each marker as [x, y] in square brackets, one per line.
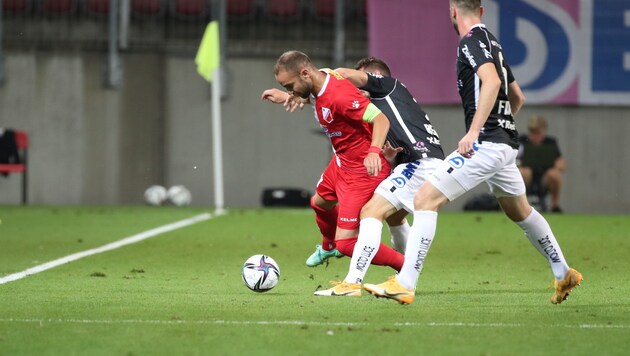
[331, 134]
[410, 169]
[504, 108]
[484, 48]
[469, 56]
[348, 219]
[506, 124]
[399, 182]
[456, 162]
[355, 104]
[327, 115]
[421, 147]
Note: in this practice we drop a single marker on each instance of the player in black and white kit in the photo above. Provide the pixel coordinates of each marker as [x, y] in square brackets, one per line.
[419, 153]
[487, 153]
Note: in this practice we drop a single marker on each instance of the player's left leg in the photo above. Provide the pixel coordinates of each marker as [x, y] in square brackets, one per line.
[508, 186]
[398, 229]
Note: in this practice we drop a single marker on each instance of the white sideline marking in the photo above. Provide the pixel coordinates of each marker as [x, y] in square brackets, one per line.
[111, 246]
[300, 323]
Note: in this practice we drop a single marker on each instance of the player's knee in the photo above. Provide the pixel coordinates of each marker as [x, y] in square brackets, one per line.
[424, 201]
[371, 210]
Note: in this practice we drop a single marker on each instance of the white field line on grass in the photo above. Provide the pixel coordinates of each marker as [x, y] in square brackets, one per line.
[302, 323]
[111, 246]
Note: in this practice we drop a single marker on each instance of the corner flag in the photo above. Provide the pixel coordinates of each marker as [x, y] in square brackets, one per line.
[209, 52]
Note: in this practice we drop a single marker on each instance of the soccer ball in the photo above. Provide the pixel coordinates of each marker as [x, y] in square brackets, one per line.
[155, 195]
[179, 195]
[260, 273]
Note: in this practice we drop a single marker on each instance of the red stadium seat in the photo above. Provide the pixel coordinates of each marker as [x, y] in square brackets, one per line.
[189, 9]
[21, 143]
[283, 9]
[147, 8]
[100, 7]
[16, 6]
[324, 9]
[241, 9]
[58, 7]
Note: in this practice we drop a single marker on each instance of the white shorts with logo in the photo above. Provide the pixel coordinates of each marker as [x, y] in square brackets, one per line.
[402, 185]
[493, 163]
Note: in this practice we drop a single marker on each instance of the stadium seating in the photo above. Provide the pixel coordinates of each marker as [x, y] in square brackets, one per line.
[16, 6]
[58, 7]
[324, 9]
[21, 142]
[98, 7]
[241, 9]
[283, 10]
[147, 8]
[189, 9]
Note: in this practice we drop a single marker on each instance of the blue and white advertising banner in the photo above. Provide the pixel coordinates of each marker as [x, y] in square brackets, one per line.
[561, 51]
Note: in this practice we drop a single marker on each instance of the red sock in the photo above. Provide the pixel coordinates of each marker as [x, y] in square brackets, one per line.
[327, 223]
[386, 256]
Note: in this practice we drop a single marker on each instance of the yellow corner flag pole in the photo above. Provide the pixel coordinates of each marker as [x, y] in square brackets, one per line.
[209, 67]
[209, 53]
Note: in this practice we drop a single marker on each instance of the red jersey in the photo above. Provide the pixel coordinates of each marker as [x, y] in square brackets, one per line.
[339, 107]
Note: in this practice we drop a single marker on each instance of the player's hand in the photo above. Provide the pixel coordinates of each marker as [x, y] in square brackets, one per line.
[275, 96]
[466, 146]
[293, 103]
[390, 152]
[373, 164]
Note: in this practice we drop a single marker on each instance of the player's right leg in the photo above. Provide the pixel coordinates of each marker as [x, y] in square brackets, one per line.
[542, 238]
[324, 203]
[449, 180]
[326, 213]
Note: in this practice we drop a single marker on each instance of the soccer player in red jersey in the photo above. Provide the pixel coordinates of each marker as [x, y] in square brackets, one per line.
[357, 130]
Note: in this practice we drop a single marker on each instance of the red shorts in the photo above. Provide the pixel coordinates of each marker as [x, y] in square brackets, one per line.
[350, 189]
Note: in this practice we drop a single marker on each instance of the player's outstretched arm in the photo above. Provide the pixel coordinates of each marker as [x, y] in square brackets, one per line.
[290, 102]
[356, 77]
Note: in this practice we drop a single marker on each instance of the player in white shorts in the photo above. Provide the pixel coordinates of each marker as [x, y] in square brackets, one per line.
[413, 136]
[490, 97]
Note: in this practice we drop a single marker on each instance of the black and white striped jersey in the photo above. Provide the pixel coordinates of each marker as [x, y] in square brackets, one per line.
[410, 127]
[479, 47]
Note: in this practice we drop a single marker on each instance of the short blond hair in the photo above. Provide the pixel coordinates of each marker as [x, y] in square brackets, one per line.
[292, 61]
[537, 122]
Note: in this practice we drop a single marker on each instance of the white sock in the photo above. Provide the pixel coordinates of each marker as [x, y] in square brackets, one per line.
[399, 235]
[365, 249]
[419, 241]
[540, 235]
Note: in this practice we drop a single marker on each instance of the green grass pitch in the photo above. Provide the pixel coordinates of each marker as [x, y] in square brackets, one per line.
[484, 290]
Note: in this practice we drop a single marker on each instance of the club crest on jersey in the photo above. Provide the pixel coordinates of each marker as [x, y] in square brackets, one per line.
[327, 115]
